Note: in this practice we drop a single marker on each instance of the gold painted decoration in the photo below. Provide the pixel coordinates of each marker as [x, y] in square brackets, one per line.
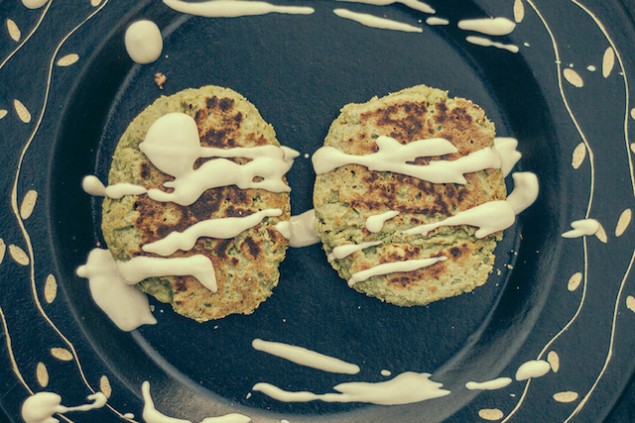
[18, 255]
[28, 204]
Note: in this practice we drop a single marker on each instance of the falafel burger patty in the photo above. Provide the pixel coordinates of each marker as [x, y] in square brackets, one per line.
[377, 257]
[245, 266]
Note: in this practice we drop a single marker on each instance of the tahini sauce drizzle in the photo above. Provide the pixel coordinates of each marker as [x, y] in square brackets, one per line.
[40, 407]
[125, 305]
[507, 148]
[373, 21]
[342, 251]
[489, 26]
[405, 388]
[305, 357]
[489, 385]
[486, 42]
[233, 8]
[413, 4]
[394, 157]
[300, 229]
[223, 228]
[375, 223]
[582, 228]
[172, 144]
[399, 266]
[493, 216]
[532, 369]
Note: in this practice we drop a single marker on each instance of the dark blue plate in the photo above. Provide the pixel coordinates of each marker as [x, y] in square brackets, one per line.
[63, 121]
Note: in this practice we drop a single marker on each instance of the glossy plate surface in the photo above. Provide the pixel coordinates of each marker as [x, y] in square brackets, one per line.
[68, 90]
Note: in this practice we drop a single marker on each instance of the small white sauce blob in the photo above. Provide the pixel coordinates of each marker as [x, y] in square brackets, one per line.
[525, 191]
[152, 415]
[172, 144]
[233, 8]
[144, 42]
[375, 21]
[399, 266]
[126, 306]
[305, 357]
[413, 4]
[93, 186]
[489, 26]
[490, 385]
[591, 68]
[300, 229]
[486, 42]
[507, 148]
[386, 373]
[395, 157]
[34, 4]
[375, 223]
[405, 388]
[343, 251]
[40, 407]
[224, 228]
[433, 20]
[490, 217]
[582, 227]
[532, 368]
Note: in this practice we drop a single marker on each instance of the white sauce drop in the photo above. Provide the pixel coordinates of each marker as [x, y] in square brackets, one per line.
[489, 385]
[172, 144]
[525, 191]
[386, 268]
[144, 42]
[591, 68]
[233, 8]
[489, 26]
[413, 4]
[386, 373]
[34, 4]
[486, 42]
[224, 228]
[507, 148]
[406, 388]
[532, 368]
[582, 227]
[375, 21]
[152, 415]
[300, 229]
[40, 407]
[433, 20]
[126, 306]
[305, 357]
[343, 251]
[376, 222]
[394, 157]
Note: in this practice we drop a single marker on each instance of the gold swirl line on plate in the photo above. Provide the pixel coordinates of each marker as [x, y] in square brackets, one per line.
[15, 209]
[14, 363]
[602, 28]
[589, 204]
[24, 41]
[609, 354]
[616, 305]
